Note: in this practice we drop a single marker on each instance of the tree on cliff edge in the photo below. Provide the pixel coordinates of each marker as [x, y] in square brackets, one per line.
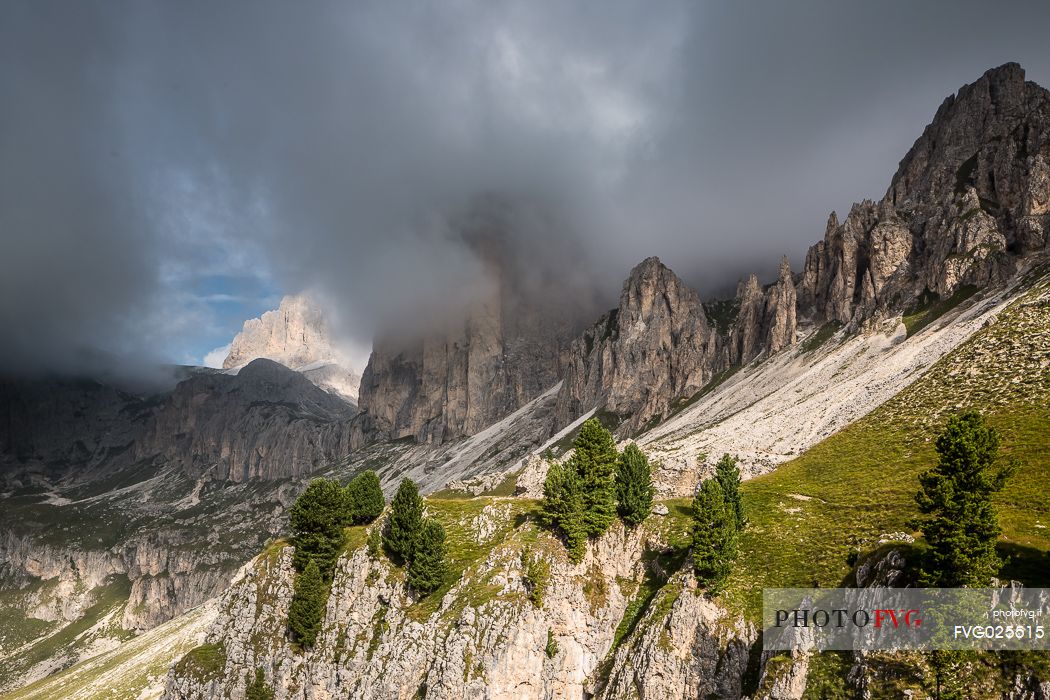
[634, 485]
[317, 521]
[406, 522]
[728, 476]
[594, 461]
[714, 535]
[426, 572]
[961, 525]
[563, 508]
[307, 607]
[365, 498]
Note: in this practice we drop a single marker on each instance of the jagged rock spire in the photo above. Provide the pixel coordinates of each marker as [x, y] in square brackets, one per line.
[657, 345]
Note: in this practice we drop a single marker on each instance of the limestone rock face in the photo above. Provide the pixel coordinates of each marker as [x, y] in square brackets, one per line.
[698, 652]
[656, 346]
[766, 321]
[780, 322]
[64, 425]
[744, 341]
[265, 422]
[495, 644]
[970, 196]
[294, 334]
[458, 380]
[297, 335]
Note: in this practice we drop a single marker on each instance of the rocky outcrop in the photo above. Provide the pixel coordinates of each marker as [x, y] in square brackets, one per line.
[297, 334]
[265, 422]
[656, 346]
[65, 427]
[766, 321]
[746, 334]
[969, 198]
[485, 639]
[698, 650]
[458, 380]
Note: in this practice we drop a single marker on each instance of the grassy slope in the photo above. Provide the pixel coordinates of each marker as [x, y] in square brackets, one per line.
[846, 492]
[63, 642]
[124, 672]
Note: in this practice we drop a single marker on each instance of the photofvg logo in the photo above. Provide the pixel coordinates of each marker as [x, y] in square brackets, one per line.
[905, 618]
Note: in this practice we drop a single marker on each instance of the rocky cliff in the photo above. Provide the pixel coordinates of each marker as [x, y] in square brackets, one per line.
[64, 427]
[265, 422]
[297, 335]
[969, 198]
[485, 637]
[120, 512]
[767, 320]
[657, 345]
[968, 202]
[457, 380]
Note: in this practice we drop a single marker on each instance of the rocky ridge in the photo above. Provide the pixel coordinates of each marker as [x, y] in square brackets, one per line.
[485, 639]
[655, 346]
[969, 202]
[265, 422]
[969, 198]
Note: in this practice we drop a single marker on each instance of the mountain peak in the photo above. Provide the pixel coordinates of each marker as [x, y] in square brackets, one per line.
[295, 334]
[999, 114]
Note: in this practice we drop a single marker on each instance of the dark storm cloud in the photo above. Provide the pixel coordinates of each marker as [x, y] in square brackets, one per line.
[336, 146]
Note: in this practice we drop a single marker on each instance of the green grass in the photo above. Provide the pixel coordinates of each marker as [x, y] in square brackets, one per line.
[930, 308]
[503, 489]
[204, 663]
[464, 552]
[65, 640]
[820, 336]
[119, 674]
[844, 493]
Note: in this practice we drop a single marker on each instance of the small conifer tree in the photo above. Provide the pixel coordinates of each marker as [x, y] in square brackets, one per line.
[306, 610]
[728, 476]
[318, 517]
[961, 525]
[258, 689]
[714, 535]
[562, 508]
[634, 485]
[365, 498]
[594, 462]
[426, 572]
[405, 522]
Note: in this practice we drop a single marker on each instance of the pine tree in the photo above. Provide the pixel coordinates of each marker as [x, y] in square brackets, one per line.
[307, 607]
[961, 526]
[426, 572]
[634, 485]
[365, 498]
[728, 476]
[405, 523]
[258, 689]
[594, 461]
[714, 535]
[318, 517]
[562, 508]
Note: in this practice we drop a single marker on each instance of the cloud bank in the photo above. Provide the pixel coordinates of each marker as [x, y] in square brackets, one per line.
[146, 148]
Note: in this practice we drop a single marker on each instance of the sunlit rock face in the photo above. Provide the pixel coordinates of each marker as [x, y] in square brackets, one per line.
[298, 335]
